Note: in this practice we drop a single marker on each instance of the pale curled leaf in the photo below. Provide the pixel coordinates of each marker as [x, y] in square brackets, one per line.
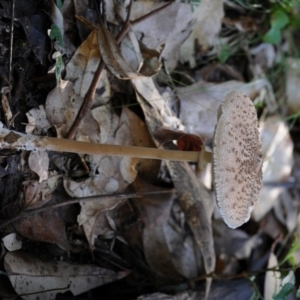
[38, 162]
[168, 27]
[112, 56]
[108, 174]
[272, 279]
[62, 106]
[208, 16]
[38, 122]
[25, 273]
[38, 193]
[11, 242]
[82, 67]
[277, 147]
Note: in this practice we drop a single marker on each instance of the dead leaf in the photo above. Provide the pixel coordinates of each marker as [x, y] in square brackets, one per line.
[112, 57]
[93, 217]
[208, 20]
[185, 141]
[277, 147]
[225, 290]
[6, 109]
[25, 273]
[199, 103]
[38, 193]
[286, 210]
[81, 69]
[62, 106]
[195, 200]
[169, 28]
[147, 168]
[44, 227]
[292, 84]
[38, 162]
[272, 279]
[11, 242]
[38, 122]
[108, 174]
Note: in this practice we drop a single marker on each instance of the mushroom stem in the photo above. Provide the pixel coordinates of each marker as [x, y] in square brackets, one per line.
[15, 140]
[204, 157]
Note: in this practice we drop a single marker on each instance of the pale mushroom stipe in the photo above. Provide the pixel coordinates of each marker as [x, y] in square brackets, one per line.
[237, 159]
[237, 155]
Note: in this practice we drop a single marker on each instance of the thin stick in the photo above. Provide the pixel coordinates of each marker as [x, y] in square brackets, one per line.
[15, 140]
[88, 98]
[32, 211]
[11, 44]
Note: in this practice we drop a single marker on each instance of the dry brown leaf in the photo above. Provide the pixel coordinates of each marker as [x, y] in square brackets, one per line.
[112, 57]
[25, 273]
[44, 227]
[93, 217]
[285, 211]
[38, 122]
[38, 162]
[62, 106]
[208, 20]
[231, 246]
[277, 147]
[272, 279]
[168, 28]
[199, 103]
[81, 69]
[195, 200]
[147, 168]
[38, 193]
[169, 249]
[108, 174]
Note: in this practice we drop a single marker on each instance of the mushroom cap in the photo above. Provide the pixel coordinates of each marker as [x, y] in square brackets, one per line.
[237, 159]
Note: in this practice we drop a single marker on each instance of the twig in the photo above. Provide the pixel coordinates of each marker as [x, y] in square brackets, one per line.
[11, 44]
[88, 99]
[245, 274]
[32, 211]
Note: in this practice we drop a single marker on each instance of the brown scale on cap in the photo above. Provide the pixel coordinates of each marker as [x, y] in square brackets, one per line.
[237, 159]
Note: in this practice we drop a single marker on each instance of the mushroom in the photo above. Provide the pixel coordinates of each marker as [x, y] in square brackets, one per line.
[237, 155]
[237, 159]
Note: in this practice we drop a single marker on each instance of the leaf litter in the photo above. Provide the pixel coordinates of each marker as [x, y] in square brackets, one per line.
[176, 235]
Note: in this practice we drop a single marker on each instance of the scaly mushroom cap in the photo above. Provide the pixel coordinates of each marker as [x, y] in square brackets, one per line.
[237, 159]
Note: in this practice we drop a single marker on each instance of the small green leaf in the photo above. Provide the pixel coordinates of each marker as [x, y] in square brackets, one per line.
[224, 54]
[273, 36]
[58, 65]
[284, 292]
[296, 244]
[279, 19]
[59, 4]
[55, 34]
